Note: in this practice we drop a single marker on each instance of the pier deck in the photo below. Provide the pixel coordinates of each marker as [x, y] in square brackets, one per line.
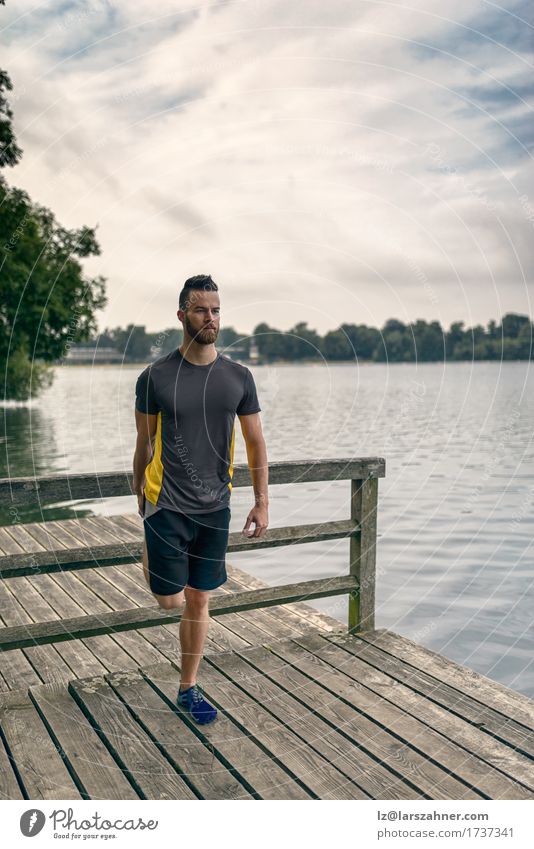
[307, 710]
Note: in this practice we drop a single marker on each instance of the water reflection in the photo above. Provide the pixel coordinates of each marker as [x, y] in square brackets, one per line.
[29, 449]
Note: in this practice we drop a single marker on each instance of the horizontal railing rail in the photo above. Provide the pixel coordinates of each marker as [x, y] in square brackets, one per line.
[90, 556]
[58, 488]
[360, 529]
[59, 630]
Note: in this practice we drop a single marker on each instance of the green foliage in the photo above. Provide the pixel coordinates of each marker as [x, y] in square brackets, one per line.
[23, 378]
[10, 152]
[337, 346]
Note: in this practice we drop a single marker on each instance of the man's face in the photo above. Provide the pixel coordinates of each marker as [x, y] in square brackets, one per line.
[202, 317]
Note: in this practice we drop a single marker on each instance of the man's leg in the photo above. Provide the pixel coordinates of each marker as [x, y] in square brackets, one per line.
[166, 602]
[194, 626]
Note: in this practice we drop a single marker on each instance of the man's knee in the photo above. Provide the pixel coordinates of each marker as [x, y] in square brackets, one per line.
[196, 600]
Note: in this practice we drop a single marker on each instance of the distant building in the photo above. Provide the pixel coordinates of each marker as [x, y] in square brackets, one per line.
[88, 354]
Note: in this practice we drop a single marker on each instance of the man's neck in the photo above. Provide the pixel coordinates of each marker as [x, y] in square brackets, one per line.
[199, 355]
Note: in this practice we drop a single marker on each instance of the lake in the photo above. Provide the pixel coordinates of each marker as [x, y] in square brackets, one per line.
[455, 557]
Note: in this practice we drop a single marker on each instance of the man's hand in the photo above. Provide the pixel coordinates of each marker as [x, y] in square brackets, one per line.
[140, 499]
[140, 493]
[260, 517]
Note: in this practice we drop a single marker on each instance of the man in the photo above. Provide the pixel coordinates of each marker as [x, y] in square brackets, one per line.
[186, 403]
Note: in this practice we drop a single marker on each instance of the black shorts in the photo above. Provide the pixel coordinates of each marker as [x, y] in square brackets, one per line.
[186, 550]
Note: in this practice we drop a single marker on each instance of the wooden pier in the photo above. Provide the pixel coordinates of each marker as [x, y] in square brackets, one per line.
[307, 709]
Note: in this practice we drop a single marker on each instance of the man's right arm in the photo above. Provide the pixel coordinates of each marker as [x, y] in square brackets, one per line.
[146, 433]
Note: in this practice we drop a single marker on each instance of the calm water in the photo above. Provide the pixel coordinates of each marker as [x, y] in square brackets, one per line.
[456, 509]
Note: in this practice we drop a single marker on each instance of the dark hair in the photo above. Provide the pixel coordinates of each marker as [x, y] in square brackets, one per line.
[199, 281]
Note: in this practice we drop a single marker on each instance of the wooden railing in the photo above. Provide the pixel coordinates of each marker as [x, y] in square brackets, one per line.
[359, 583]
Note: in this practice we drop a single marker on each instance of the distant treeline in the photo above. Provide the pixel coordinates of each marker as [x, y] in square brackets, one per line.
[396, 341]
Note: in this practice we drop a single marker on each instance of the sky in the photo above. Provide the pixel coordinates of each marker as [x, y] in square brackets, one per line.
[324, 162]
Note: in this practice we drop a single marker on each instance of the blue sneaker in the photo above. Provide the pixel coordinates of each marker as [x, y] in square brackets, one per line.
[194, 702]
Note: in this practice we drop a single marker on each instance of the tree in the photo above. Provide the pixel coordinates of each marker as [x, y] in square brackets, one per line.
[302, 342]
[336, 346]
[272, 344]
[228, 338]
[512, 324]
[453, 338]
[10, 152]
[429, 340]
[134, 342]
[363, 340]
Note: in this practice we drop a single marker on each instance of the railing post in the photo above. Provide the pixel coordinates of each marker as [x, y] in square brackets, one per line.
[362, 553]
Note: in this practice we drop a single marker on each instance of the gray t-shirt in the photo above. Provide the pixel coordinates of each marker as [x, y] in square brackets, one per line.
[193, 453]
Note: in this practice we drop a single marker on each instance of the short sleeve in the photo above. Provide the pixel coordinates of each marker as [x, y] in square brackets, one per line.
[249, 402]
[145, 399]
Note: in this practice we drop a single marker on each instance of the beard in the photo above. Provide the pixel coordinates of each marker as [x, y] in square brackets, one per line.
[203, 336]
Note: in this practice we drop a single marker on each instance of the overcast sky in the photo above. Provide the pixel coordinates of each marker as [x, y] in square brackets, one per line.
[324, 162]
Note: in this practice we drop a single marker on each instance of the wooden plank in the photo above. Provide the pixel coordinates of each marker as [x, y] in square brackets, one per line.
[271, 621]
[9, 786]
[8, 546]
[38, 762]
[150, 646]
[40, 531]
[21, 536]
[93, 552]
[110, 654]
[17, 670]
[54, 488]
[362, 553]
[496, 696]
[363, 696]
[468, 709]
[113, 653]
[109, 531]
[125, 620]
[150, 773]
[121, 526]
[320, 621]
[37, 663]
[134, 521]
[189, 753]
[97, 527]
[513, 766]
[311, 770]
[57, 530]
[253, 625]
[95, 772]
[106, 590]
[72, 654]
[81, 532]
[400, 758]
[351, 760]
[261, 773]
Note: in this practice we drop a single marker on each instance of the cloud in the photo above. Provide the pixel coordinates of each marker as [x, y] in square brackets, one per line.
[319, 160]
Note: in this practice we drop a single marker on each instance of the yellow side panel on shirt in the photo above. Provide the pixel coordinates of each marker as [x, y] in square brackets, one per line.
[154, 470]
[231, 467]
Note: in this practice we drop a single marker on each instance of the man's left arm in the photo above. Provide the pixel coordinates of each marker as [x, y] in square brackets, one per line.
[259, 472]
